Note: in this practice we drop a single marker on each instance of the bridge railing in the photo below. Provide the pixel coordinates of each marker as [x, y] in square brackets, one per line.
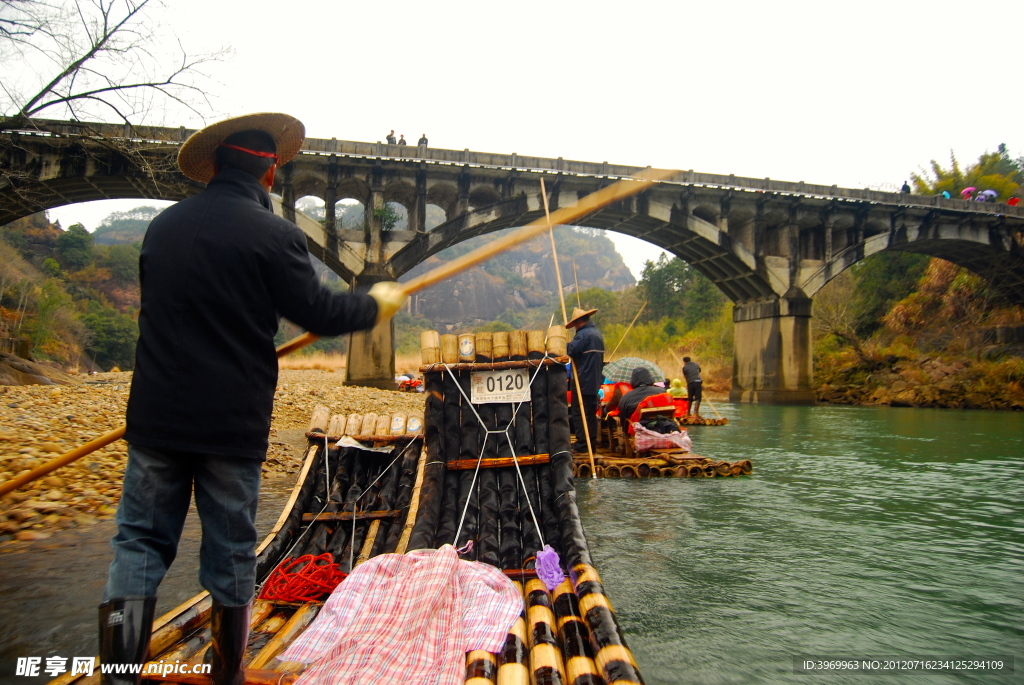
[528, 164]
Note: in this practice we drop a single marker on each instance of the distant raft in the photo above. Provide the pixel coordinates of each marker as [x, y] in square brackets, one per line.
[665, 466]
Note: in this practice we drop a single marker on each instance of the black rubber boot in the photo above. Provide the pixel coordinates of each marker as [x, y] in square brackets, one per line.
[230, 628]
[125, 626]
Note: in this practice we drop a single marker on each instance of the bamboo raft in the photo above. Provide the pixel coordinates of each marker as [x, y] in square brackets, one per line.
[353, 504]
[668, 466]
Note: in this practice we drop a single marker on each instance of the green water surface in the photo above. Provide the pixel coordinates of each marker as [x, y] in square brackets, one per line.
[863, 532]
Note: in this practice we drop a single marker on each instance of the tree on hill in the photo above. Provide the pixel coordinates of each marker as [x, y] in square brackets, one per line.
[113, 336]
[879, 282]
[993, 171]
[125, 228]
[74, 248]
[675, 289]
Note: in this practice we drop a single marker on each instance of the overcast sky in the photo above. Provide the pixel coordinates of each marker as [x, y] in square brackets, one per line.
[853, 94]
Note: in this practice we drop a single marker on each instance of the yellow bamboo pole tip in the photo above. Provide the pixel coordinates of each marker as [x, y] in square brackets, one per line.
[576, 666]
[513, 674]
[594, 599]
[541, 614]
[546, 656]
[562, 588]
[614, 653]
[586, 574]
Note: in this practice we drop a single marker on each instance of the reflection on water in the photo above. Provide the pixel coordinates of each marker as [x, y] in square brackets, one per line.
[863, 532]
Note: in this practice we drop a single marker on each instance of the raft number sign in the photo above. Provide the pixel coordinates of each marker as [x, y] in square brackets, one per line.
[489, 387]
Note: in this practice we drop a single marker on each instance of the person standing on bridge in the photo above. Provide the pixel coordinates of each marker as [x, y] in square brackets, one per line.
[217, 271]
[694, 385]
[423, 140]
[586, 350]
[391, 137]
[401, 139]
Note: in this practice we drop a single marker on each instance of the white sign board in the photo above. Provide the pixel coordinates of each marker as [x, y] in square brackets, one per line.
[488, 387]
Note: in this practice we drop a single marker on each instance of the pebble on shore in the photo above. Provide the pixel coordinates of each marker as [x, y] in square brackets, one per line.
[41, 422]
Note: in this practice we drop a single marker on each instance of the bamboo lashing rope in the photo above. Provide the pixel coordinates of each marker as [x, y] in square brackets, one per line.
[629, 328]
[565, 321]
[596, 200]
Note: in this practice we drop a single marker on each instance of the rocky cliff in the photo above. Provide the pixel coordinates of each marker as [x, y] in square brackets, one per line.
[520, 280]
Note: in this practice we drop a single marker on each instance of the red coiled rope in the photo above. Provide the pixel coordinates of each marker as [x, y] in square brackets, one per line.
[315, 577]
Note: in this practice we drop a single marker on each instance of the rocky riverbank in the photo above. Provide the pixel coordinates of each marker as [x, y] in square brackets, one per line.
[927, 382]
[41, 422]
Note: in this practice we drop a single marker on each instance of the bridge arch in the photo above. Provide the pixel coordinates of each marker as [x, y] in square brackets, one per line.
[769, 245]
[730, 265]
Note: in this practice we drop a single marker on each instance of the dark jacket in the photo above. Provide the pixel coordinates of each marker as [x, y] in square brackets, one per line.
[217, 270]
[587, 352]
[691, 372]
[643, 387]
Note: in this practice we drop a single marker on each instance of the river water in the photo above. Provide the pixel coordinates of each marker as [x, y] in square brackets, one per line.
[862, 533]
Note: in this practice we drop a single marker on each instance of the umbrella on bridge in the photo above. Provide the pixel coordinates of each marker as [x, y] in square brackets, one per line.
[620, 370]
[990, 193]
[966, 192]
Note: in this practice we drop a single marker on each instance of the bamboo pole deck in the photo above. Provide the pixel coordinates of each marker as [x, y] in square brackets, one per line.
[545, 643]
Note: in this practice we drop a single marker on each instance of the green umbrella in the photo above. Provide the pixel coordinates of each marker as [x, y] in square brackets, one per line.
[621, 370]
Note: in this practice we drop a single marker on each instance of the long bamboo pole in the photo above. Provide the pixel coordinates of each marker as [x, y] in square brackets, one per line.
[565, 322]
[575, 280]
[596, 200]
[564, 215]
[118, 433]
[642, 307]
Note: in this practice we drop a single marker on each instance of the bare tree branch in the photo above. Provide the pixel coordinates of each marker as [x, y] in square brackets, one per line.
[95, 56]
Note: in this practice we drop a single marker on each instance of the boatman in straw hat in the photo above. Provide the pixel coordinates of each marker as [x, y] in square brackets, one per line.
[586, 350]
[217, 271]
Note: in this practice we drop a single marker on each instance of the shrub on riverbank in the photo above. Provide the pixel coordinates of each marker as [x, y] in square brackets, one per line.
[947, 344]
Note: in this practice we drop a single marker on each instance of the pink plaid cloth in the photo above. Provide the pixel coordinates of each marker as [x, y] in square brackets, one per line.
[408, 619]
[646, 439]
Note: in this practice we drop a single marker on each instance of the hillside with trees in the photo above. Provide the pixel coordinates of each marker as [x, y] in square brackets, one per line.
[65, 298]
[906, 330]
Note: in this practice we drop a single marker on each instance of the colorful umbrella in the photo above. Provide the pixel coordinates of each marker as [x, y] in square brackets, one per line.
[968, 190]
[620, 370]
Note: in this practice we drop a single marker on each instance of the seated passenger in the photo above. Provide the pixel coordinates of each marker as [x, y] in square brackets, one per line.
[643, 387]
[677, 389]
[611, 401]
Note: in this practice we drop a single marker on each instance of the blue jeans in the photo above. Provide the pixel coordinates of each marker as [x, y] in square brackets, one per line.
[158, 486]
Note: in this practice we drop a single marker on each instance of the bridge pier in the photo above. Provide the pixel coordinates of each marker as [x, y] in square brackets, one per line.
[772, 352]
[371, 354]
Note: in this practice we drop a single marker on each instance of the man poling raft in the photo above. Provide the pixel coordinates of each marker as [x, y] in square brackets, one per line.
[217, 270]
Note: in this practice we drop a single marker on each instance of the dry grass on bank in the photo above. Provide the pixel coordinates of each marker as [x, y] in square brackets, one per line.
[336, 363]
[314, 361]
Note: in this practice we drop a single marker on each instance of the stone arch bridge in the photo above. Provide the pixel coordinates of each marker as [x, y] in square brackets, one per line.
[769, 245]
